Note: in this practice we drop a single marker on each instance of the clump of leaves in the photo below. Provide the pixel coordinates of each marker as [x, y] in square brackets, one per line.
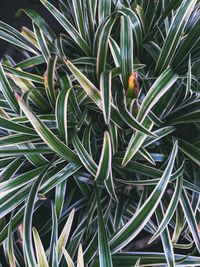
[99, 136]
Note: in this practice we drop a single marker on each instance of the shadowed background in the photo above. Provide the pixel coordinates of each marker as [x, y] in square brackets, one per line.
[7, 14]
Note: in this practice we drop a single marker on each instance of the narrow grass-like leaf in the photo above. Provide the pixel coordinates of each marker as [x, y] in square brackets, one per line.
[104, 168]
[136, 142]
[106, 97]
[61, 112]
[174, 35]
[151, 259]
[10, 247]
[50, 80]
[111, 187]
[190, 150]
[126, 48]
[94, 94]
[68, 258]
[40, 22]
[103, 39]
[105, 258]
[9, 171]
[68, 27]
[16, 139]
[84, 156]
[104, 9]
[190, 217]
[186, 46]
[158, 89]
[40, 252]
[137, 263]
[53, 142]
[79, 16]
[23, 74]
[166, 241]
[7, 91]
[53, 253]
[20, 180]
[30, 62]
[60, 197]
[135, 224]
[11, 35]
[28, 216]
[63, 238]
[170, 210]
[189, 78]
[42, 42]
[127, 116]
[136, 26]
[80, 259]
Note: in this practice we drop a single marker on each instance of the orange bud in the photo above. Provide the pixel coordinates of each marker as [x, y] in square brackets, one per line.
[132, 80]
[133, 87]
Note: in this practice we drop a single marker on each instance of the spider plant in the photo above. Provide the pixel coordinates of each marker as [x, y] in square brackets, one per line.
[99, 136]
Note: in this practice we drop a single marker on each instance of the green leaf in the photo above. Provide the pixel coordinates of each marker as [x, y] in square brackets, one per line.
[63, 238]
[28, 216]
[128, 117]
[30, 62]
[162, 84]
[68, 27]
[39, 21]
[105, 258]
[166, 241]
[53, 255]
[85, 83]
[106, 96]
[136, 142]
[151, 259]
[190, 217]
[126, 48]
[186, 46]
[190, 150]
[10, 247]
[104, 168]
[20, 180]
[170, 210]
[68, 258]
[41, 256]
[23, 74]
[104, 9]
[49, 138]
[137, 222]
[102, 39]
[7, 91]
[42, 42]
[174, 35]
[50, 80]
[16, 139]
[60, 197]
[61, 112]
[79, 16]
[137, 263]
[94, 94]
[11, 168]
[84, 156]
[11, 35]
[136, 26]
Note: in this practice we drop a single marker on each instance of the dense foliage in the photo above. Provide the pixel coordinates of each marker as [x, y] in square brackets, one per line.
[99, 136]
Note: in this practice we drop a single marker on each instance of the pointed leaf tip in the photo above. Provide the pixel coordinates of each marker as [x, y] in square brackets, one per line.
[18, 97]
